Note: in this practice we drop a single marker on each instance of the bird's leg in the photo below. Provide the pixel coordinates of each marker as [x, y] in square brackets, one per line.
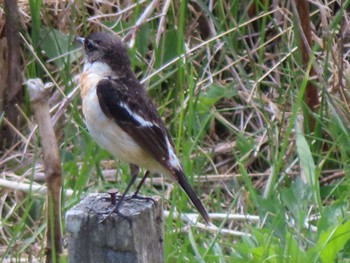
[138, 188]
[134, 171]
[136, 193]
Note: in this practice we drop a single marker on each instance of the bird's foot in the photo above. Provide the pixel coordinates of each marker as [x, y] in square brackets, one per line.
[115, 210]
[144, 198]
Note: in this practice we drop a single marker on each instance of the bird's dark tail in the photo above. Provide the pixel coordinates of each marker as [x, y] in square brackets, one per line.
[181, 178]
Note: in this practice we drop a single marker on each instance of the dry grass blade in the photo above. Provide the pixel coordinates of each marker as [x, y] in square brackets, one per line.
[227, 88]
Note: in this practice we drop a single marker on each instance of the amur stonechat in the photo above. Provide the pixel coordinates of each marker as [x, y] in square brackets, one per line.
[121, 118]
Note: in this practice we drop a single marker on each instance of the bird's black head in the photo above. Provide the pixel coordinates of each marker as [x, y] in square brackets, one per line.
[106, 48]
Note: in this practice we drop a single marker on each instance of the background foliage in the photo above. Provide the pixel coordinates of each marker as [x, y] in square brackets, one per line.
[229, 82]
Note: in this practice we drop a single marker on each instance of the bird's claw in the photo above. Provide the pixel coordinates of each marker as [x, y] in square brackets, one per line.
[139, 197]
[116, 211]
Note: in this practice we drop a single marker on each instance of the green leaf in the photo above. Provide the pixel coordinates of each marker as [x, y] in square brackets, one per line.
[307, 163]
[293, 251]
[332, 241]
[297, 198]
[332, 215]
[55, 43]
[207, 100]
[167, 48]
[215, 93]
[143, 39]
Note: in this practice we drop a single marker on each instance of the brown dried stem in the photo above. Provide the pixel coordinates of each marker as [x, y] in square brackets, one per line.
[305, 42]
[11, 94]
[38, 96]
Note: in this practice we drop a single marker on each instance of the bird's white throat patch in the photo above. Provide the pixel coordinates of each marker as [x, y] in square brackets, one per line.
[99, 68]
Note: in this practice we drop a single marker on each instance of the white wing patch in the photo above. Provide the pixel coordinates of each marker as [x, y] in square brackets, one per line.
[138, 118]
[174, 162]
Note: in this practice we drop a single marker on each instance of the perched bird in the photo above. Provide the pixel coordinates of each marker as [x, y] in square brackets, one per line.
[121, 118]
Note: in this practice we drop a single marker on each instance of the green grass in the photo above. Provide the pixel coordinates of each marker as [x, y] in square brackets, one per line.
[241, 88]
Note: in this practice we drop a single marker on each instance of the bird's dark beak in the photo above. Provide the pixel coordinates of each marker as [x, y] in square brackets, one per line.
[80, 40]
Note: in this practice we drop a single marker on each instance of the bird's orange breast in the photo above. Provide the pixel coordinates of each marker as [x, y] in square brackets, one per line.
[88, 81]
[92, 74]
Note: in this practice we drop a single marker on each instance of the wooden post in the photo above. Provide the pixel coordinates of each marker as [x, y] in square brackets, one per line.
[139, 238]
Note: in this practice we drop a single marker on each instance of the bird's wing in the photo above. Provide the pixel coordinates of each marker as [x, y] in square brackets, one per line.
[125, 101]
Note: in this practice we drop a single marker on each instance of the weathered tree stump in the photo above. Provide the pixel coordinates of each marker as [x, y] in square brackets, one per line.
[137, 238]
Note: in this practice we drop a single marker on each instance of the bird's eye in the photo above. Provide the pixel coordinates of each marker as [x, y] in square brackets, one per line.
[90, 45]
